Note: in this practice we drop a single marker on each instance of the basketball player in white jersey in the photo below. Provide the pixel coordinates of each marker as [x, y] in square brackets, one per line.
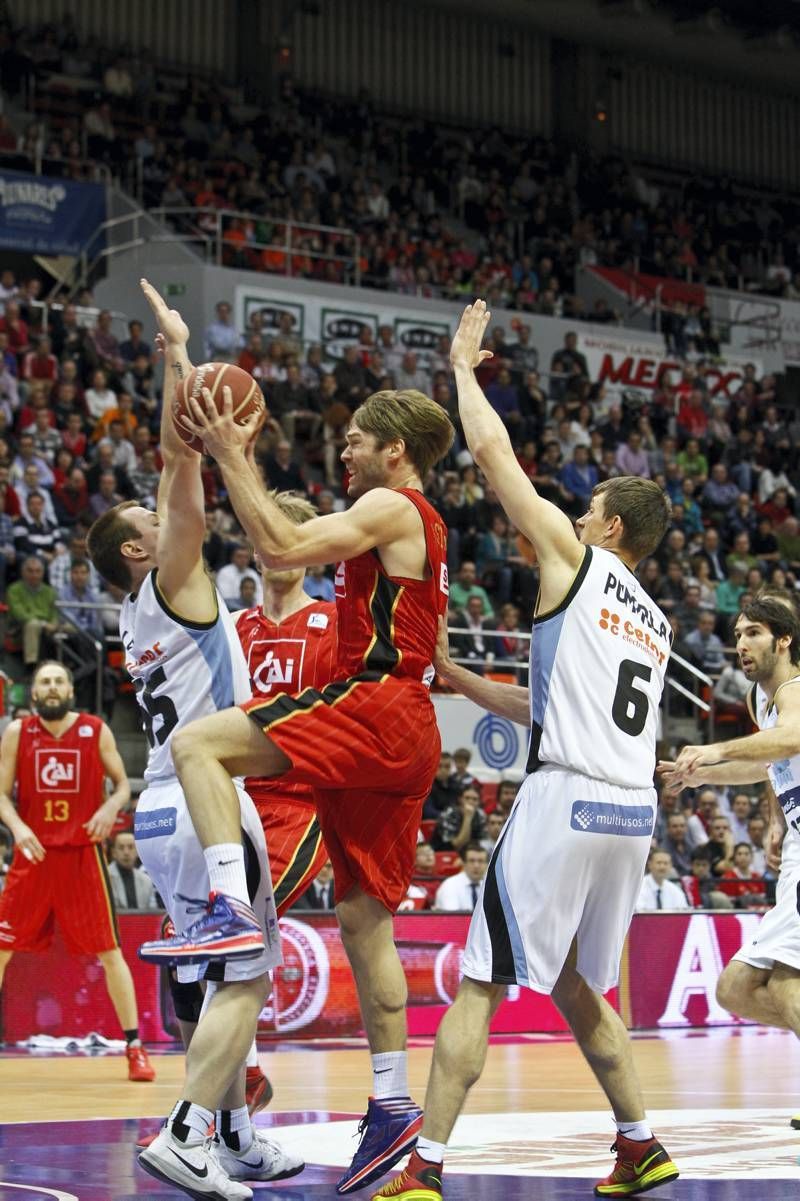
[564, 876]
[762, 981]
[184, 657]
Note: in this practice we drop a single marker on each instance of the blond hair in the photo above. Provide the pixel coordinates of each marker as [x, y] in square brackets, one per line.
[418, 421]
[294, 506]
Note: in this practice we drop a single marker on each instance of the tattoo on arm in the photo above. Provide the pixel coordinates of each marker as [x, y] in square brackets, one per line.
[178, 369]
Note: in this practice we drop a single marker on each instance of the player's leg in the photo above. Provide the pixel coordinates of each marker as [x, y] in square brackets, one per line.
[367, 930]
[743, 990]
[601, 1035]
[206, 754]
[5, 958]
[783, 989]
[119, 983]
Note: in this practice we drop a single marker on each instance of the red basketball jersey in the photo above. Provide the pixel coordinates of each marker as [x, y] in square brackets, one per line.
[60, 780]
[288, 656]
[388, 624]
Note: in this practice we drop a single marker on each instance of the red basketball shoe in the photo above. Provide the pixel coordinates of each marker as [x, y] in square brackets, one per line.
[641, 1165]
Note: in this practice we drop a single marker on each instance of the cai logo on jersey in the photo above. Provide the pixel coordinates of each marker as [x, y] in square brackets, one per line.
[58, 771]
[276, 665]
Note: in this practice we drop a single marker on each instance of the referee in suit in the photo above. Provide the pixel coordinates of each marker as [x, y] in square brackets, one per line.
[319, 894]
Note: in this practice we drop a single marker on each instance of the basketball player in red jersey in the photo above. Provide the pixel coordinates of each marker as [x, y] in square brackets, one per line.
[368, 742]
[59, 760]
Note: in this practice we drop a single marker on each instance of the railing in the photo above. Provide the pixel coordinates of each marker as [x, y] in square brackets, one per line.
[87, 317]
[707, 707]
[211, 228]
[86, 646]
[55, 167]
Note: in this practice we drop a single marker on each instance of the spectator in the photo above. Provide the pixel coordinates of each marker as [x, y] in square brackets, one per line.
[319, 894]
[749, 883]
[134, 346]
[658, 891]
[32, 616]
[460, 893]
[409, 375]
[34, 534]
[700, 886]
[706, 646]
[460, 774]
[106, 495]
[221, 341]
[425, 873]
[99, 398]
[699, 824]
[494, 828]
[445, 790]
[578, 479]
[472, 645]
[756, 828]
[58, 572]
[720, 845]
[506, 795]
[106, 346]
[631, 458]
[350, 378]
[229, 578]
[462, 822]
[26, 454]
[465, 585]
[75, 594]
[730, 693]
[319, 585]
[676, 844]
[281, 470]
[131, 887]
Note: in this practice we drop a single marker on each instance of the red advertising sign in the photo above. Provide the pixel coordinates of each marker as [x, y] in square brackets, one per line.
[314, 992]
[674, 962]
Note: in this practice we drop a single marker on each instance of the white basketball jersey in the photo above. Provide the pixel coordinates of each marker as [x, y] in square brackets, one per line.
[784, 776]
[597, 671]
[181, 670]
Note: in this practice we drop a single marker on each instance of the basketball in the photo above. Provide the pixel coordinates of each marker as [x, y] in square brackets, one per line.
[245, 392]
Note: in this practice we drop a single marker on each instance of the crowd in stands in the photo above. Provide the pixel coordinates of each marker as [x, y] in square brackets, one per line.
[440, 210]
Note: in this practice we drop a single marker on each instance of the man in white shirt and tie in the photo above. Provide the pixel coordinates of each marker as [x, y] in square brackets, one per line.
[659, 892]
[460, 893]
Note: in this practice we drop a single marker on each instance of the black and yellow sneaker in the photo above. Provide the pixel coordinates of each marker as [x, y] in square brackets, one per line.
[794, 1121]
[640, 1166]
[419, 1181]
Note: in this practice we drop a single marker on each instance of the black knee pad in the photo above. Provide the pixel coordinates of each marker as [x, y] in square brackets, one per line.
[187, 999]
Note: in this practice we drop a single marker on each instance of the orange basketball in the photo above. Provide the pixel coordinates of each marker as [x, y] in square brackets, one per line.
[245, 392]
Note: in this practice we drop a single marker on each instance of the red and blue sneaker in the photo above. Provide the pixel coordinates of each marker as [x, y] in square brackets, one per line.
[228, 929]
[388, 1130]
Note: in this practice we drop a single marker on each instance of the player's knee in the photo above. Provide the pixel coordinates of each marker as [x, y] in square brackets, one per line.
[727, 991]
[187, 1000]
[186, 747]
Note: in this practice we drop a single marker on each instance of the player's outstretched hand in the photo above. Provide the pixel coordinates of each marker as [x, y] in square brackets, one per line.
[170, 322]
[216, 428]
[29, 844]
[101, 823]
[671, 781]
[465, 349]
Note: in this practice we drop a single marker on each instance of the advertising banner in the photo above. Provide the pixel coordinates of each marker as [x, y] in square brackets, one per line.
[671, 967]
[314, 993]
[622, 361]
[674, 961]
[496, 743]
[42, 215]
[336, 326]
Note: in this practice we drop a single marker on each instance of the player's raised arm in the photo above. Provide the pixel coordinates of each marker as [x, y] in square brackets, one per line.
[22, 834]
[547, 527]
[181, 504]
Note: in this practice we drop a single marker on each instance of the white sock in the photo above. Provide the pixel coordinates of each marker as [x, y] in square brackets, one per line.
[389, 1075]
[235, 1128]
[189, 1123]
[252, 1055]
[225, 863]
[430, 1151]
[640, 1132]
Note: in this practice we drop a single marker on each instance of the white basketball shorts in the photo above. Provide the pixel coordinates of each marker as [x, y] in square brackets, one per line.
[569, 863]
[173, 859]
[777, 938]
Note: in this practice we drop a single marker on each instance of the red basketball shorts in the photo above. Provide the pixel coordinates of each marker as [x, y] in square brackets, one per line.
[370, 747]
[295, 848]
[69, 887]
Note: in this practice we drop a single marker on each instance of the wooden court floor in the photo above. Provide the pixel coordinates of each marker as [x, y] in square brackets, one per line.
[750, 1068]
